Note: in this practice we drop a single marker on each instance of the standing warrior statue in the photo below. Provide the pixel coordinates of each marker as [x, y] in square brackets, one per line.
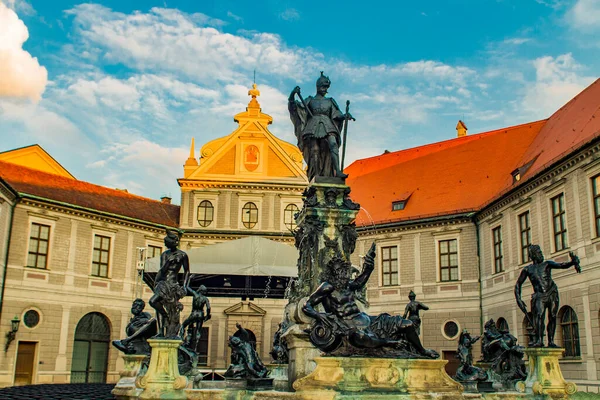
[318, 124]
[197, 317]
[545, 293]
[167, 291]
[411, 311]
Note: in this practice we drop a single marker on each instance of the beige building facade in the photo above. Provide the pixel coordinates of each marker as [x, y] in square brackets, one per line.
[73, 261]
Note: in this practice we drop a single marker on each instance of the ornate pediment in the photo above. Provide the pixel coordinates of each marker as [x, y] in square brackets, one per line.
[245, 308]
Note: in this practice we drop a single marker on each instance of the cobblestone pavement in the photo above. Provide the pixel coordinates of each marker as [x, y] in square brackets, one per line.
[75, 391]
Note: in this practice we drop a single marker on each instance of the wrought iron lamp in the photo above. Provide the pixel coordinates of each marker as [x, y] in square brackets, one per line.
[10, 335]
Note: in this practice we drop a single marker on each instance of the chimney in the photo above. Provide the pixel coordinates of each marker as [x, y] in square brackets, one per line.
[461, 129]
[165, 200]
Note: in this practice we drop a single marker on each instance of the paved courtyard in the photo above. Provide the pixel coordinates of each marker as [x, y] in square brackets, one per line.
[75, 391]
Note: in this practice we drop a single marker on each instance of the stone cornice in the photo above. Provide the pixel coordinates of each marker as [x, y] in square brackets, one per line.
[405, 226]
[90, 215]
[283, 187]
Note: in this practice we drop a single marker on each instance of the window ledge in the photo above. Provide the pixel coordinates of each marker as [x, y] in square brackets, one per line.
[561, 252]
[596, 240]
[570, 360]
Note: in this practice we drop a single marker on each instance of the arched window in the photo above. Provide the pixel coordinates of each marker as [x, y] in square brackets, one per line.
[250, 215]
[206, 213]
[570, 332]
[288, 216]
[502, 325]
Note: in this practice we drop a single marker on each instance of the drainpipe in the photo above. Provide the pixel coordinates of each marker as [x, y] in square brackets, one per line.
[479, 278]
[9, 236]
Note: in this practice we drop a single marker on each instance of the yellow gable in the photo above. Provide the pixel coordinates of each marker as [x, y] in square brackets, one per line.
[35, 157]
[250, 153]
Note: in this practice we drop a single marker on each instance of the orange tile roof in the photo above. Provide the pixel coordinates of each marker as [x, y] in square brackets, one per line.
[83, 194]
[458, 175]
[465, 174]
[573, 125]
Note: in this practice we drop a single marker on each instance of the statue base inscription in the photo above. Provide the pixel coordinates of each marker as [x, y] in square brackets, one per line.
[544, 376]
[337, 377]
[125, 389]
[162, 380]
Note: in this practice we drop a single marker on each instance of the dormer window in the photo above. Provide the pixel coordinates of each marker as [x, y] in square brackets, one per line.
[398, 205]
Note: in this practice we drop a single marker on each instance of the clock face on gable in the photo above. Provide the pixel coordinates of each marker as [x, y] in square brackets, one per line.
[251, 158]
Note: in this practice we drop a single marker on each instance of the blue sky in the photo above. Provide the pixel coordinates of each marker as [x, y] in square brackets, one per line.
[119, 87]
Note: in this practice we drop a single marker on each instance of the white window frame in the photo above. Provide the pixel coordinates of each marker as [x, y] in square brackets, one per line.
[283, 203]
[244, 198]
[49, 221]
[518, 213]
[380, 246]
[493, 250]
[111, 233]
[549, 196]
[439, 238]
[199, 197]
[592, 170]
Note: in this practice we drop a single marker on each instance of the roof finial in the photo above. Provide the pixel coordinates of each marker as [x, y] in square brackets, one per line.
[254, 81]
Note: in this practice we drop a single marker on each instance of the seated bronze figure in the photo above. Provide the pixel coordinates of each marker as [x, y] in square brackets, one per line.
[344, 321]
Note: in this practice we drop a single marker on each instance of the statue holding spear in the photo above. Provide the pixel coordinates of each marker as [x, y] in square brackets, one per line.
[318, 124]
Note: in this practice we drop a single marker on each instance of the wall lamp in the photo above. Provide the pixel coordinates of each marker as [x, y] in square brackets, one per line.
[10, 335]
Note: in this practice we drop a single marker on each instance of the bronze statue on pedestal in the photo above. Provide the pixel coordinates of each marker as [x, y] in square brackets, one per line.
[545, 293]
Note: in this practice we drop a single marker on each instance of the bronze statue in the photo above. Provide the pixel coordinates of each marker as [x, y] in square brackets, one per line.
[545, 293]
[500, 348]
[141, 327]
[343, 320]
[245, 362]
[412, 309]
[318, 124]
[467, 371]
[167, 291]
[280, 352]
[196, 318]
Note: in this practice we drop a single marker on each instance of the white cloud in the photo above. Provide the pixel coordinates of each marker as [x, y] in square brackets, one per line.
[558, 80]
[234, 16]
[585, 15]
[516, 41]
[290, 14]
[21, 75]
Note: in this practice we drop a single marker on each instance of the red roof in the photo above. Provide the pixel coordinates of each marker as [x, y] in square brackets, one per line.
[573, 125]
[465, 174]
[459, 176]
[84, 194]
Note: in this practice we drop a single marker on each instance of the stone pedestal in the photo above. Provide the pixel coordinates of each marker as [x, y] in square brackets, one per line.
[341, 378]
[301, 353]
[162, 380]
[125, 389]
[544, 376]
[279, 374]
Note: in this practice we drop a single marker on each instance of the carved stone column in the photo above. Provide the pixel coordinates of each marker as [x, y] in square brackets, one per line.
[326, 229]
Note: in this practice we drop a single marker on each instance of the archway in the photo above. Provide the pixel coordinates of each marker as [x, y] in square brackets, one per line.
[90, 349]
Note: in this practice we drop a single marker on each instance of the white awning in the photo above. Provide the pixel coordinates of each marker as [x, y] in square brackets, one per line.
[253, 255]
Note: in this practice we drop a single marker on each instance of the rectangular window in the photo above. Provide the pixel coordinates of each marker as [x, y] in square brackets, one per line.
[525, 236]
[154, 251]
[202, 348]
[596, 194]
[389, 265]
[100, 256]
[448, 250]
[558, 222]
[498, 262]
[39, 240]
